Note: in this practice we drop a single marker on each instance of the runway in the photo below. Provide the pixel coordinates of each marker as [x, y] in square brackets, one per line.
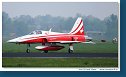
[60, 55]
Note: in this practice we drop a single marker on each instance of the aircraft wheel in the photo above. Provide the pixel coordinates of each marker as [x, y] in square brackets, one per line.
[28, 50]
[70, 51]
[45, 51]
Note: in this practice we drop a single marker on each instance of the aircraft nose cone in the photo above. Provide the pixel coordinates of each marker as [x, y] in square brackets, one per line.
[13, 40]
[9, 41]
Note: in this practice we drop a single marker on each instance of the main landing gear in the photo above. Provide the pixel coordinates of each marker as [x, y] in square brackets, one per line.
[28, 48]
[46, 51]
[70, 50]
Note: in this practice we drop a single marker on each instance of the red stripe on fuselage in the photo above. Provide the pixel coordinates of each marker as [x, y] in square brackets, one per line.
[50, 36]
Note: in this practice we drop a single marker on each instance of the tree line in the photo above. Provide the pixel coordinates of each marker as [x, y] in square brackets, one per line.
[24, 24]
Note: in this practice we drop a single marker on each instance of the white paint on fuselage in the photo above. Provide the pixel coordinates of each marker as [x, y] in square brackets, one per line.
[35, 36]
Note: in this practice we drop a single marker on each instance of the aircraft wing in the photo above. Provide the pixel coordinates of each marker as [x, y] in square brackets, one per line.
[65, 42]
[90, 42]
[70, 42]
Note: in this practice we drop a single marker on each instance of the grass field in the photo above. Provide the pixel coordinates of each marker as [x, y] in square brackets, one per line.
[59, 62]
[99, 47]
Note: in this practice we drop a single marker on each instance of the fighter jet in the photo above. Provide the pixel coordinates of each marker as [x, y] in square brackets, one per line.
[50, 40]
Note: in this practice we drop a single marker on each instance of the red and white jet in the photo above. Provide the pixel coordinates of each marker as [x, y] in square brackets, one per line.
[50, 39]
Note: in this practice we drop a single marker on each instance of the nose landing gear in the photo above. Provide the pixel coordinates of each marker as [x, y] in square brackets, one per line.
[28, 48]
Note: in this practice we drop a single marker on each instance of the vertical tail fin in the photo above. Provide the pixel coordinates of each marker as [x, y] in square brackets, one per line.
[78, 28]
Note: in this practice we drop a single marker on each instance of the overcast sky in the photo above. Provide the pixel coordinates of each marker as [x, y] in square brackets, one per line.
[99, 10]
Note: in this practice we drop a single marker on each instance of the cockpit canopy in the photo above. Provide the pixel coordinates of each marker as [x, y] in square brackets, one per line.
[35, 32]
